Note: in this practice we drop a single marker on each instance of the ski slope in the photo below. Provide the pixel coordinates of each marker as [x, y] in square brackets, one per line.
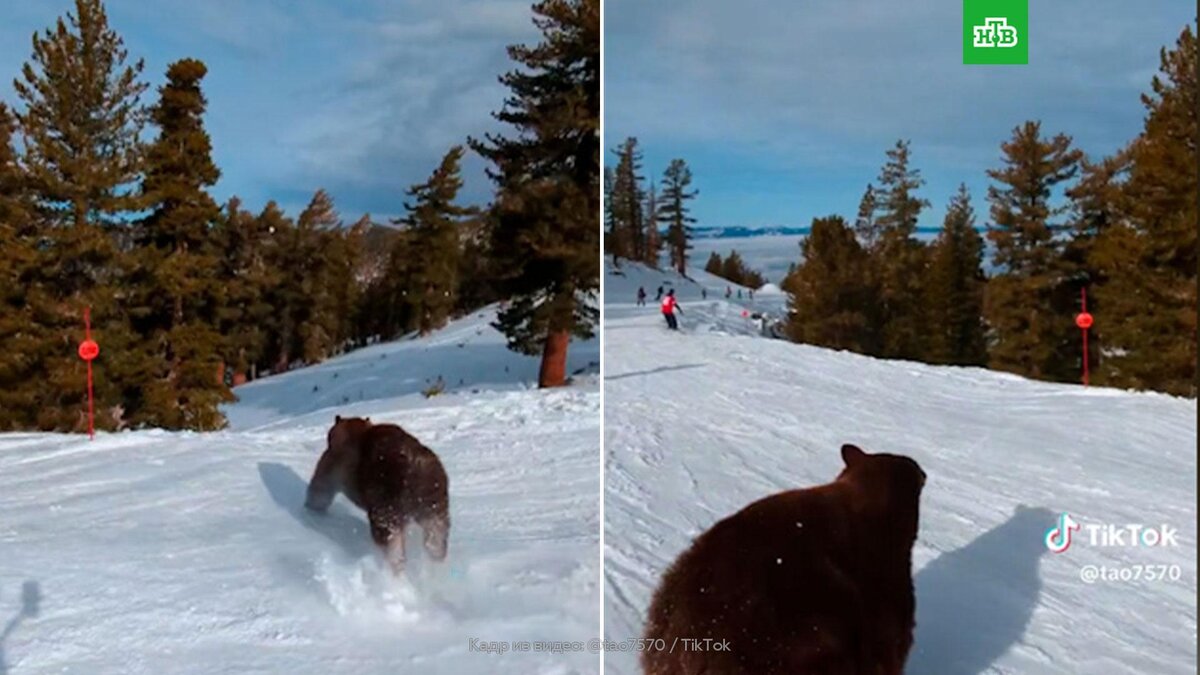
[154, 552]
[702, 422]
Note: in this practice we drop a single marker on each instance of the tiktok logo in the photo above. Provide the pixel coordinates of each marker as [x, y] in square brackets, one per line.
[1058, 538]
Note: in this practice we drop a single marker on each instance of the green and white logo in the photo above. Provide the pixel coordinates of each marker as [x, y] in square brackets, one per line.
[996, 31]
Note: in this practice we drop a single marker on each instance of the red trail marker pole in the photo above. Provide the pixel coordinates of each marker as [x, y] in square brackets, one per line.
[1084, 321]
[88, 351]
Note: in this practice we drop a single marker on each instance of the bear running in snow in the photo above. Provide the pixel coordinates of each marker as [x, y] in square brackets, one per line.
[388, 473]
[814, 581]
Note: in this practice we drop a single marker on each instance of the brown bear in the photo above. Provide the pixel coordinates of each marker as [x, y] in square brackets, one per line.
[393, 477]
[805, 582]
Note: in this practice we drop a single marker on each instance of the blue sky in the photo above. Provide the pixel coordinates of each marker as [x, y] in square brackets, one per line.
[361, 98]
[784, 108]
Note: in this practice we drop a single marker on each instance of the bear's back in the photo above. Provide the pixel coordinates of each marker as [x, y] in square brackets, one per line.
[394, 466]
[768, 584]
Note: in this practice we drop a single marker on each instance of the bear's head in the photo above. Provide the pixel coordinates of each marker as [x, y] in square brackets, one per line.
[347, 432]
[884, 485]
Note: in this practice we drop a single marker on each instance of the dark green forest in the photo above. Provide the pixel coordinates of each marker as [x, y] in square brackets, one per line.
[105, 204]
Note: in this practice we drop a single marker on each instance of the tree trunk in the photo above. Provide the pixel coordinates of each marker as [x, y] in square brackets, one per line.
[554, 360]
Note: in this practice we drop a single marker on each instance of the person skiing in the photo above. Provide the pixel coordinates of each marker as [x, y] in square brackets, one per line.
[659, 296]
[669, 307]
[728, 292]
[751, 293]
[703, 293]
[641, 296]
[739, 294]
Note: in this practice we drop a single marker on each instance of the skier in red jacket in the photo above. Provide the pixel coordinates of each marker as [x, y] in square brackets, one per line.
[669, 307]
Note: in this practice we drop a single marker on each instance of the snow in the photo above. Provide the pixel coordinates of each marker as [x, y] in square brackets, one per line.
[156, 552]
[702, 422]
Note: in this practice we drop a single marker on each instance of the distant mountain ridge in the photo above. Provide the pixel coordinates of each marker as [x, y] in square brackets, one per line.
[741, 231]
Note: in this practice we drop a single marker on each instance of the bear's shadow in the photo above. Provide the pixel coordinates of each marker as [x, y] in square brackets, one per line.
[288, 490]
[31, 598]
[975, 603]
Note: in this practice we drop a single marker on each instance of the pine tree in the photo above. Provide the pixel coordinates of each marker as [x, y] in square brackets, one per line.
[866, 225]
[81, 150]
[177, 296]
[434, 222]
[546, 233]
[674, 212]
[1098, 206]
[612, 235]
[18, 395]
[734, 268]
[1146, 305]
[282, 249]
[249, 276]
[715, 265]
[1027, 304]
[628, 227]
[954, 289]
[319, 241]
[830, 300]
[899, 258]
[476, 285]
[653, 236]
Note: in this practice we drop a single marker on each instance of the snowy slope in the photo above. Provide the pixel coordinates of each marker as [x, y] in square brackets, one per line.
[700, 423]
[154, 552]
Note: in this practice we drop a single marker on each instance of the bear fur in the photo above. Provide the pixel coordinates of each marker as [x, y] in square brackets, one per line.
[389, 474]
[805, 582]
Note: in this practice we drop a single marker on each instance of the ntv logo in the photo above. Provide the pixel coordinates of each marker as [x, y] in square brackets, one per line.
[995, 32]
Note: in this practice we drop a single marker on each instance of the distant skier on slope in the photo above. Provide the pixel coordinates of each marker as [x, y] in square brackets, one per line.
[703, 293]
[728, 292]
[641, 296]
[669, 307]
[659, 296]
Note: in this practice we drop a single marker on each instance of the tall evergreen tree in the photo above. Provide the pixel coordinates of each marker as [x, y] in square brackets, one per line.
[612, 235]
[546, 232]
[954, 289]
[1146, 307]
[81, 122]
[435, 223]
[250, 276]
[177, 295]
[282, 248]
[653, 236]
[899, 258]
[831, 300]
[1027, 305]
[627, 203]
[866, 225]
[320, 243]
[733, 268]
[715, 264]
[18, 399]
[674, 212]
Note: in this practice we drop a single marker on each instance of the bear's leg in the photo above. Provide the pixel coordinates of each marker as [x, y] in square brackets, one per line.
[324, 485]
[437, 534]
[387, 529]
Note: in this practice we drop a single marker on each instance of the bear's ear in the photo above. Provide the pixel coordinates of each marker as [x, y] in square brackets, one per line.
[852, 455]
[367, 420]
[337, 419]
